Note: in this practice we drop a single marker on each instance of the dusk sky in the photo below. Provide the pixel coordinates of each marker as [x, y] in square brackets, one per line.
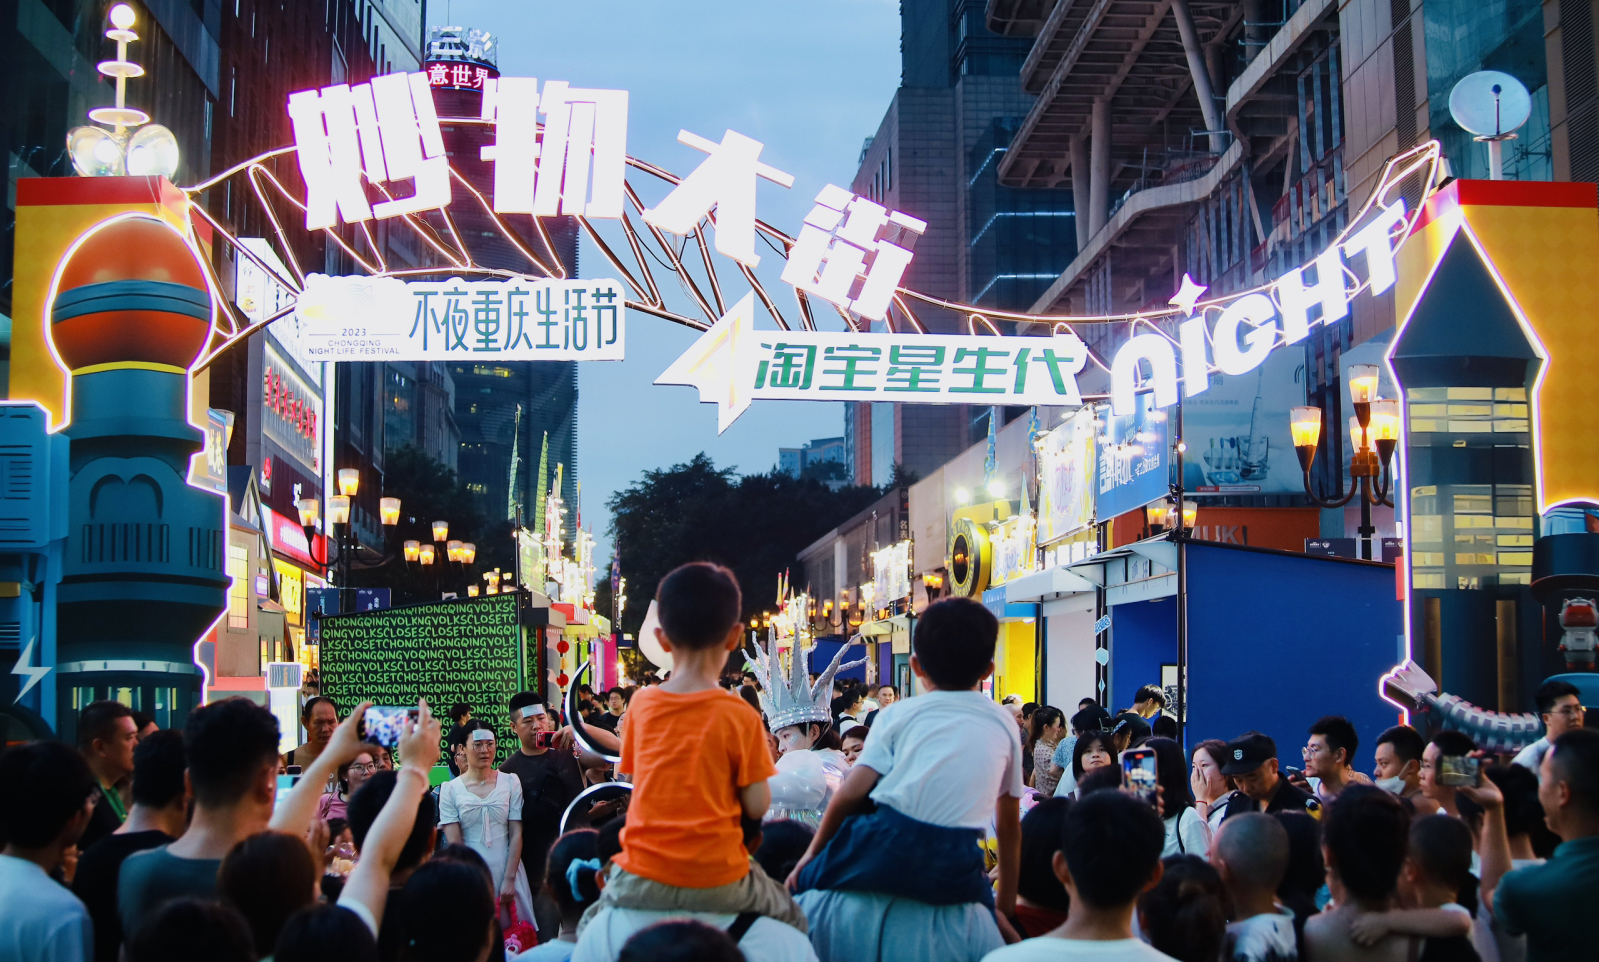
[811, 81]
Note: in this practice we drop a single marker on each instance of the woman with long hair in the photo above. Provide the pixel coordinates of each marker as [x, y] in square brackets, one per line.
[1211, 788]
[1047, 728]
[1093, 751]
[1186, 831]
[482, 809]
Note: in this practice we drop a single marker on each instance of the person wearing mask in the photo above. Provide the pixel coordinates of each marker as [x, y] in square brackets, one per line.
[1365, 835]
[1398, 770]
[231, 750]
[1047, 730]
[47, 797]
[334, 804]
[1444, 744]
[550, 779]
[1330, 756]
[482, 809]
[1252, 765]
[1186, 831]
[107, 735]
[573, 886]
[1185, 914]
[320, 717]
[1548, 903]
[1109, 855]
[1251, 855]
[1560, 707]
[159, 814]
[1212, 790]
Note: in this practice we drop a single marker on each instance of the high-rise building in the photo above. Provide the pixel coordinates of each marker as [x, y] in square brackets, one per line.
[504, 409]
[936, 155]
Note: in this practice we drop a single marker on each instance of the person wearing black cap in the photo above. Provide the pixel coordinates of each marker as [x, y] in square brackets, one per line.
[1251, 762]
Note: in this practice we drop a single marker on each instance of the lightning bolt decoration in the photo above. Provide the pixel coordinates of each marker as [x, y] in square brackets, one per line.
[34, 674]
[712, 365]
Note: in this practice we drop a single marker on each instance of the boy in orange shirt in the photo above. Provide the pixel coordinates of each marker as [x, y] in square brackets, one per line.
[699, 760]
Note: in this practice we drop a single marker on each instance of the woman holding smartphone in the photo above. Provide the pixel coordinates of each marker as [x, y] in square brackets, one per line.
[482, 809]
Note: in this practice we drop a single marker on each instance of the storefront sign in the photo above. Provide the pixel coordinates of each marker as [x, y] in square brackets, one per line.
[1066, 477]
[291, 591]
[891, 579]
[358, 318]
[1015, 548]
[1237, 431]
[1134, 460]
[291, 411]
[288, 538]
[456, 651]
[732, 364]
[210, 469]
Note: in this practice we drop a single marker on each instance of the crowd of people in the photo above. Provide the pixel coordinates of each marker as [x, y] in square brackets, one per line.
[783, 815]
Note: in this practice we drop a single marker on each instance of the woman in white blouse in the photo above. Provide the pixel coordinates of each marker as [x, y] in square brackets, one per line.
[482, 808]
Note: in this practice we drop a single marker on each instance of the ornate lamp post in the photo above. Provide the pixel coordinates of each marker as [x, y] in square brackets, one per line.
[345, 541]
[1375, 428]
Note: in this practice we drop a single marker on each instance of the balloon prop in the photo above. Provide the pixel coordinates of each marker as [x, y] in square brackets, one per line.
[650, 646]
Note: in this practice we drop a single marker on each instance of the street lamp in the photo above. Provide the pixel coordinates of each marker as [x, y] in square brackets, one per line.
[1374, 431]
[345, 542]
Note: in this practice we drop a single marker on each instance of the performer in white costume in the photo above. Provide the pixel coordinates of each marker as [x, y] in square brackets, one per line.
[798, 715]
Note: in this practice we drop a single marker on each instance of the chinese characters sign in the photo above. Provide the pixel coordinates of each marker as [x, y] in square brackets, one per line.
[1134, 460]
[290, 410]
[841, 232]
[733, 364]
[1066, 477]
[382, 318]
[578, 165]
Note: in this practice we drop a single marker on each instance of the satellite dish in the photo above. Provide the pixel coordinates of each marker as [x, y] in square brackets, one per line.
[1490, 104]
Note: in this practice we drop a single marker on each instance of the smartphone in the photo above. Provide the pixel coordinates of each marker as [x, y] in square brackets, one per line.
[382, 724]
[1138, 772]
[544, 739]
[1292, 773]
[1458, 770]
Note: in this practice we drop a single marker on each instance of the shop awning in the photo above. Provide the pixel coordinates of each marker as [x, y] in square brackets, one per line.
[1135, 572]
[1046, 585]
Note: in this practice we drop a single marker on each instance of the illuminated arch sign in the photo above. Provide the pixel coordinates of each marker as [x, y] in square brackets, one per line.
[1237, 335]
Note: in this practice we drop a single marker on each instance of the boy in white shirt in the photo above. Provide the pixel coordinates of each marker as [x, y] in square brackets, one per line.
[939, 769]
[1109, 856]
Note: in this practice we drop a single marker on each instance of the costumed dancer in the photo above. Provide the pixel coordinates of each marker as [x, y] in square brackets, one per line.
[797, 712]
[907, 880]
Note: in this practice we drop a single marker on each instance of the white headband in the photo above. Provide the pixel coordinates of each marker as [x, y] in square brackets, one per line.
[482, 735]
[528, 711]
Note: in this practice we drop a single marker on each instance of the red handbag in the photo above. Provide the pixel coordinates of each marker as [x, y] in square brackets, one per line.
[519, 936]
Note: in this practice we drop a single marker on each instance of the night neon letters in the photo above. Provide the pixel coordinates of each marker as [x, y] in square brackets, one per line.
[1250, 327]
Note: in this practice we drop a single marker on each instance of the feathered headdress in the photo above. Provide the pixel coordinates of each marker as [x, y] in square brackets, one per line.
[793, 700]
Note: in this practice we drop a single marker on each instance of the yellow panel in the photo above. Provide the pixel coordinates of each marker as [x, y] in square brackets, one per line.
[1015, 661]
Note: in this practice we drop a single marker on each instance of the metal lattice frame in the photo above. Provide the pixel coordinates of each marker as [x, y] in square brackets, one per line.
[436, 229]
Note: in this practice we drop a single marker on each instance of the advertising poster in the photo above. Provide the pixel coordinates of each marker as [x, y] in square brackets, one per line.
[1066, 475]
[1134, 460]
[1237, 431]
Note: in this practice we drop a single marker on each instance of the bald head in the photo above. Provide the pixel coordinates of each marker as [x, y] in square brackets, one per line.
[1254, 847]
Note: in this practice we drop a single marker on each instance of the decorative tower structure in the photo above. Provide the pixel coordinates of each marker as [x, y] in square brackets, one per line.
[143, 577]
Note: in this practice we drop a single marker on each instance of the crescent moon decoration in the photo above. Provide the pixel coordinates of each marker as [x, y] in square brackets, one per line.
[575, 719]
[1411, 173]
[593, 796]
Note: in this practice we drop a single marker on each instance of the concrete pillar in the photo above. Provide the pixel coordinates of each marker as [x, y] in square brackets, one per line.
[1081, 191]
[1196, 68]
[1255, 35]
[1099, 167]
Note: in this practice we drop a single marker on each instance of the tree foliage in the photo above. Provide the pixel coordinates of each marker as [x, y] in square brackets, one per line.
[755, 524]
[428, 492]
